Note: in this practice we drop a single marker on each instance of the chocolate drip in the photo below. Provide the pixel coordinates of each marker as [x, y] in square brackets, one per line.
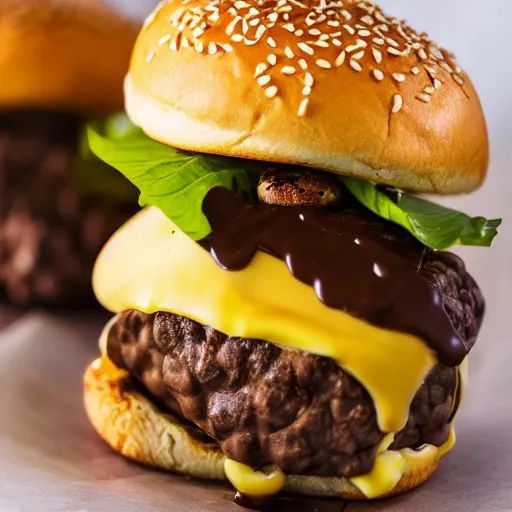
[351, 266]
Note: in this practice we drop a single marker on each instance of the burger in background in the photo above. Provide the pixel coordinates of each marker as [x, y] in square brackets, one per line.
[287, 316]
[61, 63]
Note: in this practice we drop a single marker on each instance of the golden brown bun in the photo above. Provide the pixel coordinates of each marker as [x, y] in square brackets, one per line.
[393, 108]
[63, 55]
[134, 427]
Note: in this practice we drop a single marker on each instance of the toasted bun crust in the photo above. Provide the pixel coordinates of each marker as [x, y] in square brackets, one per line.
[134, 427]
[343, 89]
[63, 55]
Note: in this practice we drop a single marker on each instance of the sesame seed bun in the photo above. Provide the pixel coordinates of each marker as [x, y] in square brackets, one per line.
[344, 89]
[63, 55]
[133, 426]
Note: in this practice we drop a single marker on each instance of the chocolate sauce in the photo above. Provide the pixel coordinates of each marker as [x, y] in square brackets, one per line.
[282, 504]
[351, 265]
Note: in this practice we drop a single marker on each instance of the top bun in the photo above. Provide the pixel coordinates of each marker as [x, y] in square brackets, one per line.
[63, 55]
[338, 86]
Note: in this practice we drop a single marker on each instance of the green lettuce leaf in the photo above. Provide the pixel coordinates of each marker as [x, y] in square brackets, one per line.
[92, 177]
[173, 180]
[433, 225]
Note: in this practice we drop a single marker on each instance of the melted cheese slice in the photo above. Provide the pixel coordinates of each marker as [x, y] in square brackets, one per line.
[150, 265]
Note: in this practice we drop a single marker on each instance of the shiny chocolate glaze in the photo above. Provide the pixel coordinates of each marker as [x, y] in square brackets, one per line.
[350, 266]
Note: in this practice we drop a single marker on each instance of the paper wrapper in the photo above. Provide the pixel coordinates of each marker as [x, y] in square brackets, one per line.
[52, 460]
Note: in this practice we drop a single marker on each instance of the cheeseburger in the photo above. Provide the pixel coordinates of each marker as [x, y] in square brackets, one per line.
[286, 314]
[60, 63]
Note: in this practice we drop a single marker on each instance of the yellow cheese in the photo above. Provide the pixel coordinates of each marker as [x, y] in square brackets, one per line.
[150, 265]
[391, 465]
[253, 483]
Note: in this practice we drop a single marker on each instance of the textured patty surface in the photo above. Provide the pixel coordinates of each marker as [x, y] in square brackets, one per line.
[49, 234]
[266, 405]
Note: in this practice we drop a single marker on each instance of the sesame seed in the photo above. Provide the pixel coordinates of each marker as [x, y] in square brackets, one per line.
[380, 17]
[303, 107]
[184, 42]
[288, 70]
[368, 20]
[458, 79]
[429, 90]
[272, 59]
[399, 77]
[260, 31]
[309, 80]
[335, 34]
[289, 52]
[321, 18]
[271, 91]
[340, 59]
[286, 16]
[289, 26]
[430, 70]
[212, 48]
[346, 14]
[379, 41]
[214, 17]
[415, 70]
[197, 32]
[254, 22]
[436, 53]
[364, 33]
[314, 32]
[357, 46]
[397, 103]
[306, 91]
[392, 42]
[355, 65]
[437, 83]
[226, 47]
[322, 44]
[150, 57]
[349, 29]
[231, 27]
[232, 11]
[422, 54]
[237, 38]
[358, 55]
[333, 23]
[263, 80]
[260, 69]
[306, 48]
[323, 37]
[174, 44]
[336, 42]
[303, 64]
[253, 12]
[164, 40]
[240, 4]
[394, 51]
[378, 75]
[322, 63]
[377, 55]
[446, 67]
[299, 32]
[271, 42]
[310, 22]
[273, 17]
[199, 46]
[424, 97]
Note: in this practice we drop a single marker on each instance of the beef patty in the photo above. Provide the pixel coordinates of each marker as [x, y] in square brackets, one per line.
[49, 234]
[268, 405]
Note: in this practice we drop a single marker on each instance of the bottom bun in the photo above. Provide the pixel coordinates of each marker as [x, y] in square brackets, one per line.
[133, 426]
